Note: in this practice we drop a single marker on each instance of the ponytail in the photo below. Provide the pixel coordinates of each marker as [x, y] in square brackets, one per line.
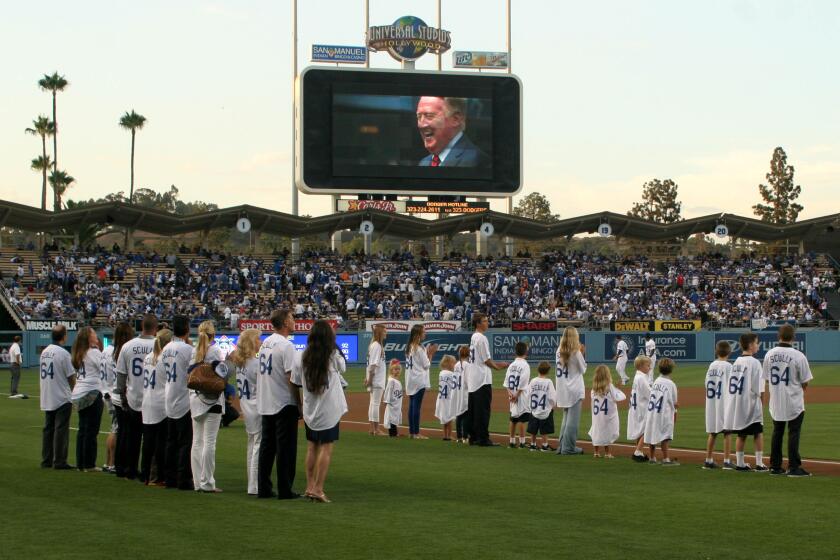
[206, 332]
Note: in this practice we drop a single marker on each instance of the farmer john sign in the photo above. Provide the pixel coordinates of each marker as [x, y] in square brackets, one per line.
[408, 39]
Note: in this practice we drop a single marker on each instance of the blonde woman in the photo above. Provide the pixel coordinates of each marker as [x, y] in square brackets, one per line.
[570, 390]
[375, 376]
[206, 413]
[247, 367]
[418, 360]
[154, 412]
[87, 396]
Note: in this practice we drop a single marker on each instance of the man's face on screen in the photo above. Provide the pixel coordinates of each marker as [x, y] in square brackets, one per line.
[436, 128]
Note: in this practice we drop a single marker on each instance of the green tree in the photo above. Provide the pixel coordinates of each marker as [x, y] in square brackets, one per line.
[780, 192]
[133, 122]
[536, 207]
[60, 182]
[54, 84]
[659, 202]
[43, 127]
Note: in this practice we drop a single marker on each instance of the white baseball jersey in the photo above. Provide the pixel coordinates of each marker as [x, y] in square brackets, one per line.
[56, 368]
[786, 369]
[108, 372]
[276, 360]
[569, 378]
[650, 349]
[462, 392]
[176, 362]
[417, 366]
[322, 411]
[130, 364]
[659, 422]
[376, 357]
[743, 407]
[716, 378]
[246, 387]
[639, 398]
[199, 403]
[541, 397]
[88, 376]
[447, 404]
[621, 351]
[606, 426]
[516, 379]
[480, 373]
[393, 398]
[154, 390]
[14, 353]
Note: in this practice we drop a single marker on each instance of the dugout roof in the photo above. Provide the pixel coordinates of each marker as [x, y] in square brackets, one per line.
[120, 214]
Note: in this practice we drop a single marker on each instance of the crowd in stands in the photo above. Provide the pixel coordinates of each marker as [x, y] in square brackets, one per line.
[111, 286]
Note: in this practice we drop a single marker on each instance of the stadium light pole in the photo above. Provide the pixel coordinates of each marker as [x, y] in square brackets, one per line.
[508, 238]
[295, 212]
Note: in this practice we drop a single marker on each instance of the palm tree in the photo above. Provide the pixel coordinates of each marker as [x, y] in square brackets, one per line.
[60, 182]
[54, 83]
[133, 122]
[43, 127]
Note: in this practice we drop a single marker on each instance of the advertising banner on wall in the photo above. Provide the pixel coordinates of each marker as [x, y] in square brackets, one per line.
[301, 325]
[766, 341]
[533, 326]
[405, 326]
[448, 343]
[540, 346]
[47, 325]
[670, 325]
[349, 344]
[677, 346]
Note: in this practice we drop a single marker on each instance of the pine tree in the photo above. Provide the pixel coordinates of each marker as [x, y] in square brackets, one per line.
[536, 207]
[659, 202]
[780, 193]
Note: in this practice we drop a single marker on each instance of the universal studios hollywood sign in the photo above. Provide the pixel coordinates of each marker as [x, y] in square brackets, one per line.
[408, 39]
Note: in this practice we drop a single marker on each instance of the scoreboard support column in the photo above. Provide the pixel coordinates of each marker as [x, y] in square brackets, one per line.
[481, 242]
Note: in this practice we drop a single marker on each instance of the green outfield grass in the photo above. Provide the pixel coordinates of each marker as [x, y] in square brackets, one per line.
[400, 498]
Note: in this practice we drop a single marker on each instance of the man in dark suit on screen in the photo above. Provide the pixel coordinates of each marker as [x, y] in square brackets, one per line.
[441, 122]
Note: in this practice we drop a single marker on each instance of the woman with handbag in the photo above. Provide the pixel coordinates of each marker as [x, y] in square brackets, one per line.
[206, 411]
[319, 374]
[87, 396]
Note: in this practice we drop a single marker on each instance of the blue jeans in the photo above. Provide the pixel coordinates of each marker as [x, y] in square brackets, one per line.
[415, 401]
[569, 430]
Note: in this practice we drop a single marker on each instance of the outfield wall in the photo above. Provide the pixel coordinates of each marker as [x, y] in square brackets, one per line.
[819, 346]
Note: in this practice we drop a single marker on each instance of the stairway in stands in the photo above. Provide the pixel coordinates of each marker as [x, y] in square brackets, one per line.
[833, 297]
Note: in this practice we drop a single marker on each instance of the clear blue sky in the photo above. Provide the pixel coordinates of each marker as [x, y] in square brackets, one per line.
[616, 93]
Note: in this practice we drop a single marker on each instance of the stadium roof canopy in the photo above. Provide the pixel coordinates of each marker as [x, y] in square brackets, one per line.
[120, 214]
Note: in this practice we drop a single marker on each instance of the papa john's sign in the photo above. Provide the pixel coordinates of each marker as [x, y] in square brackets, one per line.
[301, 325]
[405, 326]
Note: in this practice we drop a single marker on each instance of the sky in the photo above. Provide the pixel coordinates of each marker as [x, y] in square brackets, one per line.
[615, 93]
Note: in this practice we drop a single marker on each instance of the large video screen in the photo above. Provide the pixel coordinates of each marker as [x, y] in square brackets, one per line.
[402, 132]
[405, 136]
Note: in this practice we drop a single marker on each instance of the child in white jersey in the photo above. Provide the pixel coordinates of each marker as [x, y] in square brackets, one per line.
[744, 411]
[639, 397]
[716, 375]
[662, 413]
[446, 406]
[516, 384]
[393, 398]
[541, 398]
[605, 424]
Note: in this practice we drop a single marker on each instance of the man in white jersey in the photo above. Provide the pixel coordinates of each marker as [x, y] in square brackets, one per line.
[278, 402]
[480, 382]
[130, 387]
[650, 351]
[14, 366]
[788, 372]
[621, 352]
[176, 361]
[57, 380]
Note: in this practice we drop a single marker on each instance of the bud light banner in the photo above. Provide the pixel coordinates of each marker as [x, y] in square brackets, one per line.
[448, 343]
[540, 346]
[766, 341]
[349, 344]
[677, 346]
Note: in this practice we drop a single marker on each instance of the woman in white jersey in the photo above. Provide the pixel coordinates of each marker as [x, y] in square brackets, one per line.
[247, 367]
[206, 414]
[122, 334]
[418, 360]
[570, 390]
[154, 413]
[87, 396]
[375, 376]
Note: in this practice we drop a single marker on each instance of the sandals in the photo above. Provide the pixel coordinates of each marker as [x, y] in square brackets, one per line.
[322, 498]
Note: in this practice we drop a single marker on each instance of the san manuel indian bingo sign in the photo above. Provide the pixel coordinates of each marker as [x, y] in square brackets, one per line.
[408, 39]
